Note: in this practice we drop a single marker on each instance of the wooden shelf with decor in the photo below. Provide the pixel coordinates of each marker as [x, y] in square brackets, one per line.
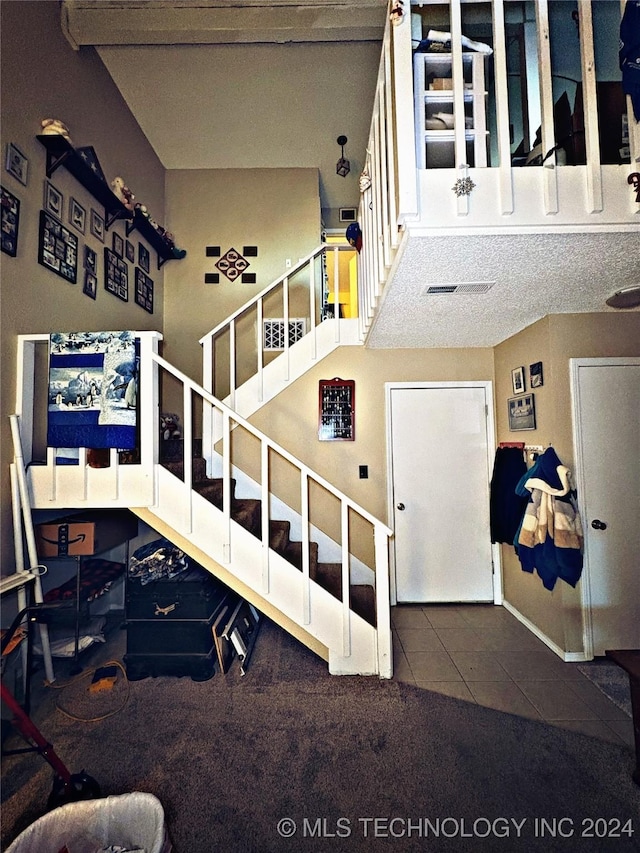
[164, 250]
[60, 152]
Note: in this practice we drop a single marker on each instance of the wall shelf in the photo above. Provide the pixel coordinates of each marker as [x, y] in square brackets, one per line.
[141, 224]
[62, 153]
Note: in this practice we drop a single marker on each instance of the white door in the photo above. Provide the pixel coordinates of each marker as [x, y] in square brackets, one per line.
[606, 400]
[440, 477]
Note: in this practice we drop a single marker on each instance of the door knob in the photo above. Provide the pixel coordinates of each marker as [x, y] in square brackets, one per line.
[598, 525]
[400, 507]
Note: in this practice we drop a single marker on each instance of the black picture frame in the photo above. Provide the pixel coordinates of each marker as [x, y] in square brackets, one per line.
[144, 291]
[90, 287]
[53, 200]
[336, 409]
[517, 380]
[57, 248]
[130, 251]
[16, 163]
[118, 245]
[10, 222]
[536, 379]
[116, 275]
[90, 260]
[522, 412]
[144, 258]
[77, 215]
[96, 225]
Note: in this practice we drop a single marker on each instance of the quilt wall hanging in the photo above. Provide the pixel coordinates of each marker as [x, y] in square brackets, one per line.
[93, 380]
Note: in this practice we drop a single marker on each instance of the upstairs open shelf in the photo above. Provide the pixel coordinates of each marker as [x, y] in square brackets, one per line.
[62, 153]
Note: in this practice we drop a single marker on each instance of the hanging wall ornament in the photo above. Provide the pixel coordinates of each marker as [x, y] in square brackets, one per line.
[365, 180]
[634, 180]
[463, 186]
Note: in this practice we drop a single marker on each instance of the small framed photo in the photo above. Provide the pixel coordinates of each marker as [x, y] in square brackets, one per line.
[118, 245]
[77, 215]
[90, 287]
[535, 375]
[16, 163]
[517, 380]
[144, 291]
[53, 199]
[116, 275]
[96, 225]
[522, 413]
[90, 260]
[10, 223]
[129, 251]
[143, 258]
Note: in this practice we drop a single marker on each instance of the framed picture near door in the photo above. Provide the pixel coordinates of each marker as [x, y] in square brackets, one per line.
[522, 412]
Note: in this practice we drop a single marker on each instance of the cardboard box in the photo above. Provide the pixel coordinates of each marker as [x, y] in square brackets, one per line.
[85, 534]
[440, 83]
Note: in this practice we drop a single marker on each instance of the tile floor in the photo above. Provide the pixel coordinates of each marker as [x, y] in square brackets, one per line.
[483, 654]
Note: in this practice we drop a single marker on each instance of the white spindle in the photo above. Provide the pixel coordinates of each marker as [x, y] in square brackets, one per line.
[285, 311]
[346, 586]
[383, 614]
[549, 176]
[589, 97]
[336, 294]
[260, 348]
[312, 310]
[226, 482]
[459, 125]
[502, 107]
[266, 514]
[304, 514]
[232, 363]
[187, 452]
[207, 411]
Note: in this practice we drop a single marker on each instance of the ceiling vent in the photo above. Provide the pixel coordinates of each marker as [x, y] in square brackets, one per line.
[467, 288]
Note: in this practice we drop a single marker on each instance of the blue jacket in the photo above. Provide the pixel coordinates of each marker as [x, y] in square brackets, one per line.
[550, 538]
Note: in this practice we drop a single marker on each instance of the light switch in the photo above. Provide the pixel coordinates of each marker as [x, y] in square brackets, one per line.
[364, 472]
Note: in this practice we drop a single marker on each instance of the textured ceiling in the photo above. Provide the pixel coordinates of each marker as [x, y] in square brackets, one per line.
[534, 275]
[244, 84]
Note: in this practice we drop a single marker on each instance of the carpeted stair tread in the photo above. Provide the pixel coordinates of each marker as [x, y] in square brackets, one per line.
[247, 512]
[363, 602]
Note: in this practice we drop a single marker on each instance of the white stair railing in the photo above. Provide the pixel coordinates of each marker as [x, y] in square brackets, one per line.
[269, 450]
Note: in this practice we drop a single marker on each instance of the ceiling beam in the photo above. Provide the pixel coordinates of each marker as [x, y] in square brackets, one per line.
[149, 22]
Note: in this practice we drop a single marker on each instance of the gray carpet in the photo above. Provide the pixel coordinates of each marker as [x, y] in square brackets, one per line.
[232, 757]
[612, 680]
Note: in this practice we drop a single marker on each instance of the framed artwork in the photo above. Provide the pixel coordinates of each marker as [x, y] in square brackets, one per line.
[16, 163]
[77, 215]
[118, 245]
[129, 251]
[96, 225]
[10, 222]
[53, 199]
[143, 258]
[116, 275]
[144, 290]
[517, 380]
[90, 284]
[90, 260]
[522, 412]
[57, 247]
[337, 410]
[535, 375]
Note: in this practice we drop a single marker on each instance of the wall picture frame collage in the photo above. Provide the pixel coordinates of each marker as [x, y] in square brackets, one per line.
[10, 209]
[57, 247]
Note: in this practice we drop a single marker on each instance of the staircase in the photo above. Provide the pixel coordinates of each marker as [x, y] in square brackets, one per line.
[247, 513]
[337, 604]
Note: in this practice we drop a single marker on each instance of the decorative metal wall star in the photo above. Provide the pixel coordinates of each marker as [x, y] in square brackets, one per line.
[463, 186]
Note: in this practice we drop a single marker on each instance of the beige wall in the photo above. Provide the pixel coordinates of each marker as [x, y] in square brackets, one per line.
[42, 77]
[292, 418]
[554, 340]
[277, 210]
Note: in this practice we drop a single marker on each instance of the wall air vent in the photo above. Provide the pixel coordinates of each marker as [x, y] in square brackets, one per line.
[273, 332]
[467, 287]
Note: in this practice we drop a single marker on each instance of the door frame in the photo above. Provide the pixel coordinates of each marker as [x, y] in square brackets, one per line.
[487, 385]
[585, 582]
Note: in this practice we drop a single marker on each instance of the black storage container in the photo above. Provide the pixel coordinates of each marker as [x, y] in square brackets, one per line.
[169, 623]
